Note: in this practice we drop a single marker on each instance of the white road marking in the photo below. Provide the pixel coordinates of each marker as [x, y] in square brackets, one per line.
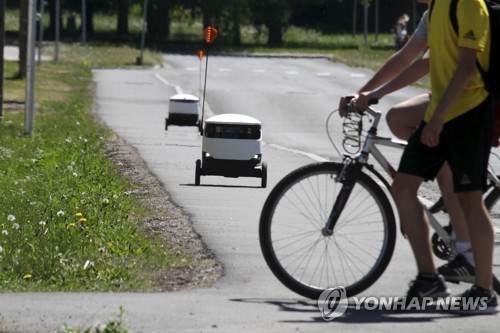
[312, 156]
[165, 82]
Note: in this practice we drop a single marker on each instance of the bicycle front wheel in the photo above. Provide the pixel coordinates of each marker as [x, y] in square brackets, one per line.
[301, 256]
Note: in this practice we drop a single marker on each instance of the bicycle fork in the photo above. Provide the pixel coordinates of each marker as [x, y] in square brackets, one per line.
[348, 177]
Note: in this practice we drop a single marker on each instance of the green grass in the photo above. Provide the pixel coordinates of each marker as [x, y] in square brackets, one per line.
[67, 219]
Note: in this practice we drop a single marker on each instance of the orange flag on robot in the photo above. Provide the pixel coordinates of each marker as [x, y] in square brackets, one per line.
[210, 34]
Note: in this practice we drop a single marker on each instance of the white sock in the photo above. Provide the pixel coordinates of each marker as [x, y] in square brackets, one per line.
[462, 247]
[465, 249]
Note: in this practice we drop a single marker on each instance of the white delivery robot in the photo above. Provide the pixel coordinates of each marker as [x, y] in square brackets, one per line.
[183, 110]
[232, 147]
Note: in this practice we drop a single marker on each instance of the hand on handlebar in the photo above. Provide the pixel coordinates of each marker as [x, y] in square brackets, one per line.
[365, 99]
[357, 103]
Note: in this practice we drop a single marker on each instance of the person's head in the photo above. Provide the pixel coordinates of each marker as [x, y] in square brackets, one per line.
[403, 19]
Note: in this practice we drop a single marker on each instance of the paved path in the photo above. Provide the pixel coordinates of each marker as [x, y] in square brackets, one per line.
[10, 52]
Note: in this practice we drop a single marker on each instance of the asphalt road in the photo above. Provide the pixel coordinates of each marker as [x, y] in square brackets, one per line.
[292, 97]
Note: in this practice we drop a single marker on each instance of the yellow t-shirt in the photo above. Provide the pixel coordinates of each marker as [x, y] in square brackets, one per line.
[443, 42]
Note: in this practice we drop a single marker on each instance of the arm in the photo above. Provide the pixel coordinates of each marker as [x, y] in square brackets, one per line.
[390, 69]
[465, 70]
[396, 63]
[411, 74]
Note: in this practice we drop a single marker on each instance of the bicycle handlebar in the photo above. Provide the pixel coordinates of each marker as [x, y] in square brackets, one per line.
[352, 126]
[351, 107]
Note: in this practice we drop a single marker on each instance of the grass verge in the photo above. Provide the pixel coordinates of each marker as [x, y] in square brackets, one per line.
[68, 219]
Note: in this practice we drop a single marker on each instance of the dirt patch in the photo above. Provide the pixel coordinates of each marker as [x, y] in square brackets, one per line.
[168, 221]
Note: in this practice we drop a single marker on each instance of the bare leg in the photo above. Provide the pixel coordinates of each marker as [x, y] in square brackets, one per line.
[404, 118]
[413, 219]
[481, 235]
[457, 218]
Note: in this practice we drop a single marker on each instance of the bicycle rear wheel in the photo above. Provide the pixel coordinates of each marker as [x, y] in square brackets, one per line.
[301, 256]
[492, 202]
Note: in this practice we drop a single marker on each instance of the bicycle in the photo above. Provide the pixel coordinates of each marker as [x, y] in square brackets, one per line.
[332, 224]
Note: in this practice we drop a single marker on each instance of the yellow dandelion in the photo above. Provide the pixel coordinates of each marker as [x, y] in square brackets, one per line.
[27, 276]
[78, 214]
[83, 220]
[71, 225]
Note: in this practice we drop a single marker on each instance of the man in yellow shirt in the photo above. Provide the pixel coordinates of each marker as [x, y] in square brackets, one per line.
[457, 128]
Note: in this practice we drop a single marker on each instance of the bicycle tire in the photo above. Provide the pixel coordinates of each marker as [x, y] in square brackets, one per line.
[492, 203]
[362, 243]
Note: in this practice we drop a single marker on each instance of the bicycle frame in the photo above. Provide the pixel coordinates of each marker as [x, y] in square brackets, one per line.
[370, 148]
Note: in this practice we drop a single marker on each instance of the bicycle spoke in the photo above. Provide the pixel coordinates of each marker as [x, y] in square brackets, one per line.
[302, 207]
[293, 240]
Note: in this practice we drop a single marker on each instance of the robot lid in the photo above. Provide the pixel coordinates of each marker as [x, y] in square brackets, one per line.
[184, 98]
[233, 119]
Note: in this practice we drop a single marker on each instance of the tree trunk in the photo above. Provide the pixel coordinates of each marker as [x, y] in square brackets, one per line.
[354, 17]
[275, 34]
[159, 20]
[206, 11]
[236, 15]
[275, 24]
[2, 44]
[122, 24]
[90, 17]
[50, 8]
[23, 36]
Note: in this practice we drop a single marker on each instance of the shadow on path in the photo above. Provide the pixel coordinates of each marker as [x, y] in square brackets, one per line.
[352, 315]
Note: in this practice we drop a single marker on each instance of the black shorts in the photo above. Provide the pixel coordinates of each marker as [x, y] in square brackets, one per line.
[465, 142]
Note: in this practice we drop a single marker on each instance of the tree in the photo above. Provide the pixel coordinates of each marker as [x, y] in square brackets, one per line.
[2, 44]
[89, 18]
[226, 16]
[23, 36]
[159, 19]
[212, 12]
[236, 15]
[122, 22]
[274, 14]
